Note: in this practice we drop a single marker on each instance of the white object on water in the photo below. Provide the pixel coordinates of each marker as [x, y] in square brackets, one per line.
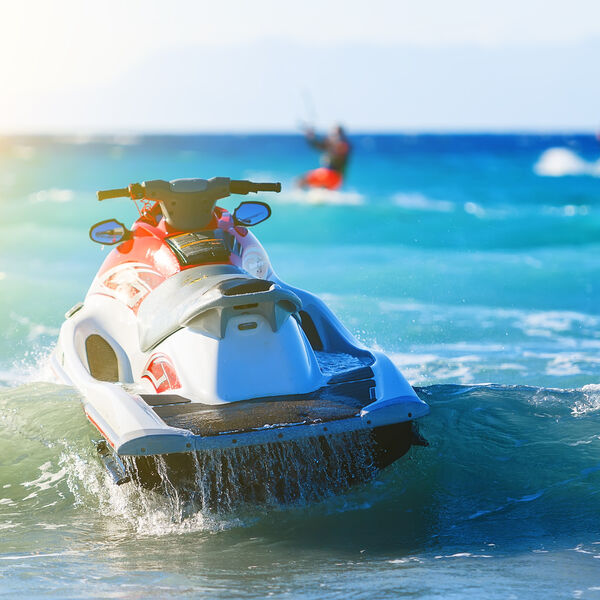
[559, 162]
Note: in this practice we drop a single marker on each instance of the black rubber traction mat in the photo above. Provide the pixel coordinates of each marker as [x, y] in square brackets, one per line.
[164, 399]
[331, 403]
[353, 375]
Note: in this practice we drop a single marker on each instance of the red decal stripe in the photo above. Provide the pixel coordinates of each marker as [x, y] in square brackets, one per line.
[100, 430]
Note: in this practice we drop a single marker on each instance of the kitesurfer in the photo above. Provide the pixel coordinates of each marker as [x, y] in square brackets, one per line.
[336, 153]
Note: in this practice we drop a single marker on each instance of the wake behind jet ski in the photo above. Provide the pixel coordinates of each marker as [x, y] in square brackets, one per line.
[188, 350]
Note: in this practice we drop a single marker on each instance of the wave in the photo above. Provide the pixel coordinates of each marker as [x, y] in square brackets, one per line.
[493, 362]
[417, 201]
[560, 346]
[52, 468]
[422, 367]
[325, 197]
[499, 456]
[33, 367]
[560, 162]
[532, 322]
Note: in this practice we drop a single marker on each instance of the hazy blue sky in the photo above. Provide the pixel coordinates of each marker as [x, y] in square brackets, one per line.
[70, 65]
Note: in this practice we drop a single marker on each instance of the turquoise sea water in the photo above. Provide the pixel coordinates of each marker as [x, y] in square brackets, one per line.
[470, 260]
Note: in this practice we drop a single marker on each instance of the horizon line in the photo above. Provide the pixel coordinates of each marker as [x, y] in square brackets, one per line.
[287, 132]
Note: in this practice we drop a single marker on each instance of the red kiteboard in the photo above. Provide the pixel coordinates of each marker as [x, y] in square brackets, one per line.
[323, 178]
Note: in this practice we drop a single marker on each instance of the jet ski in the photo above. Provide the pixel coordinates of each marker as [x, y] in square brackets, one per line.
[188, 347]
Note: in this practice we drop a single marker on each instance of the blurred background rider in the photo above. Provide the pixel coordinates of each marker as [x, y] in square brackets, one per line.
[336, 153]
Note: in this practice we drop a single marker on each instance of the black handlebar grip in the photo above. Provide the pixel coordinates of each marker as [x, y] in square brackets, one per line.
[245, 187]
[119, 193]
[268, 187]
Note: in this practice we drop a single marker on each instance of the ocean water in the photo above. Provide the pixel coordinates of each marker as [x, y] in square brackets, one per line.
[473, 261]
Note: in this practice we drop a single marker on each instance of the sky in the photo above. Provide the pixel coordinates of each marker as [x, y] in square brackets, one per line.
[71, 66]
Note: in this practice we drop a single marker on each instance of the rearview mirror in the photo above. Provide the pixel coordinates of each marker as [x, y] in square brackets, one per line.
[109, 232]
[251, 213]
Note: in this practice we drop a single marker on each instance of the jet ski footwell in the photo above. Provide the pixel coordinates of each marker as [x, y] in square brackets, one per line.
[279, 447]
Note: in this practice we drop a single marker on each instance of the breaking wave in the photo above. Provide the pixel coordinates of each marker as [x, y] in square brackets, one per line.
[559, 162]
[498, 455]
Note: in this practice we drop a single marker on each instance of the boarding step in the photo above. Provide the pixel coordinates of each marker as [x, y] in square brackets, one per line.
[164, 399]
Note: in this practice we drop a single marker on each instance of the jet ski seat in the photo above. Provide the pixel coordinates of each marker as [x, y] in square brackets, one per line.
[206, 297]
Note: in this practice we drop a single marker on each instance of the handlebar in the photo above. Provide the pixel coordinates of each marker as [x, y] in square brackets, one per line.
[137, 191]
[244, 187]
[118, 193]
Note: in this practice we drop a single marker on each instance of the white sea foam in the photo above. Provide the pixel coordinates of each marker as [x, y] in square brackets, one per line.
[422, 369]
[34, 330]
[417, 201]
[511, 367]
[472, 208]
[322, 196]
[558, 162]
[404, 561]
[570, 337]
[571, 363]
[591, 388]
[22, 557]
[128, 506]
[568, 210]
[46, 479]
[402, 305]
[546, 323]
[532, 323]
[590, 403]
[463, 555]
[52, 195]
[219, 476]
[33, 367]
